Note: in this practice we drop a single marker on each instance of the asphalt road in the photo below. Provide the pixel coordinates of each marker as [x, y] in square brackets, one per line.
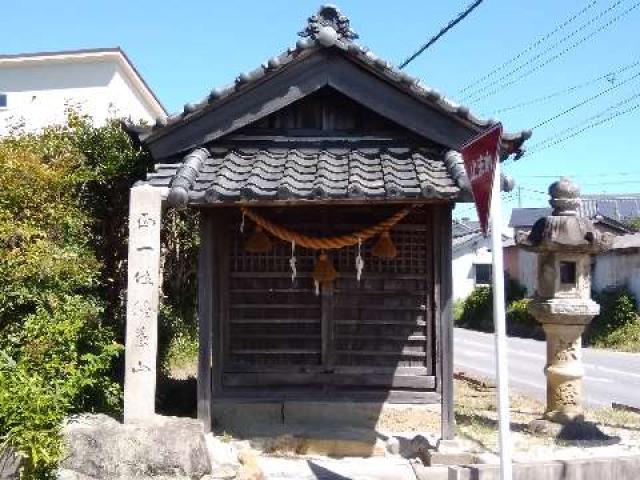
[609, 376]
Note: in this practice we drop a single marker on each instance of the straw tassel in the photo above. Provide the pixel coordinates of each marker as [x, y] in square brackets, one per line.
[324, 271]
[384, 247]
[259, 242]
[359, 262]
[292, 262]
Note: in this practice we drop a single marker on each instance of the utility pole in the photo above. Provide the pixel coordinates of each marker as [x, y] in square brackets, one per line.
[519, 196]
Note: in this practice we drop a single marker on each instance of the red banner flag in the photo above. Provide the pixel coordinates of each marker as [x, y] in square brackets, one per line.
[480, 156]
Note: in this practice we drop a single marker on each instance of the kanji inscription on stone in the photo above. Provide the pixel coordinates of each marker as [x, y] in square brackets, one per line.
[142, 302]
[144, 278]
[142, 337]
[145, 220]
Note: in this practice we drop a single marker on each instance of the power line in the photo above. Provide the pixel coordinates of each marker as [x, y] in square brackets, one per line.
[582, 175]
[530, 47]
[588, 127]
[630, 182]
[564, 39]
[587, 120]
[474, 98]
[533, 190]
[576, 129]
[586, 100]
[444, 30]
[557, 93]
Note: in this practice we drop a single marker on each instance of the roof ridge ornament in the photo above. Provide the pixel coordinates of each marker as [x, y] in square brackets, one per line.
[328, 25]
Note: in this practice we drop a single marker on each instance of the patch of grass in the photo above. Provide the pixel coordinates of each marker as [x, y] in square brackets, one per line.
[615, 418]
[477, 421]
[182, 355]
[624, 339]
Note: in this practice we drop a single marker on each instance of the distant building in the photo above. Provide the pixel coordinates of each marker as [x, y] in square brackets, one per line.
[609, 213]
[619, 266]
[472, 259]
[37, 88]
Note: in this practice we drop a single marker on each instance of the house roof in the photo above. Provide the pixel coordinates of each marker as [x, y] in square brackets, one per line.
[305, 172]
[462, 240]
[328, 30]
[619, 207]
[526, 217]
[625, 242]
[92, 54]
[462, 228]
[610, 210]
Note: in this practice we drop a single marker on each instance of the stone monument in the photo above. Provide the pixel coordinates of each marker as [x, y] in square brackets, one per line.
[564, 242]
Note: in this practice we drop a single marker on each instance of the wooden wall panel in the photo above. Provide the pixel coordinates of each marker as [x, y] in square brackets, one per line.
[355, 338]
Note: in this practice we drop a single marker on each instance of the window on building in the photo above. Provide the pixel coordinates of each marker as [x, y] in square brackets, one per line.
[483, 273]
[3, 100]
[568, 273]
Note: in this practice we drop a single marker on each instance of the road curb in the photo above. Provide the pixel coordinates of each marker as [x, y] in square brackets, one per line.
[603, 468]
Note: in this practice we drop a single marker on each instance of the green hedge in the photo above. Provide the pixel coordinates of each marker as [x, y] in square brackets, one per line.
[618, 324]
[55, 349]
[476, 311]
[63, 248]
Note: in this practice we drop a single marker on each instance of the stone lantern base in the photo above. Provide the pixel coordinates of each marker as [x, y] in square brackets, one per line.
[563, 322]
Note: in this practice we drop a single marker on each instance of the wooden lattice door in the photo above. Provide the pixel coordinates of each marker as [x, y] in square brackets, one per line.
[356, 338]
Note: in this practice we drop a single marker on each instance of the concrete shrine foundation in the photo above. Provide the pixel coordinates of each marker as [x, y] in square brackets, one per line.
[336, 429]
[250, 418]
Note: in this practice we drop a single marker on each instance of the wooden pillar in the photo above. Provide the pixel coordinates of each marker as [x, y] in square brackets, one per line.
[205, 319]
[446, 322]
[143, 284]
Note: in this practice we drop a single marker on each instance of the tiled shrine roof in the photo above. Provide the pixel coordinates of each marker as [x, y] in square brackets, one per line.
[227, 174]
[330, 29]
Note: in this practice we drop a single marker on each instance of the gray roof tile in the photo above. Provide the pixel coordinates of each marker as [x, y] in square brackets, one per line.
[237, 173]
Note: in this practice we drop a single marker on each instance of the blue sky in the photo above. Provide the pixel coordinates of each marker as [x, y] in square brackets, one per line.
[184, 49]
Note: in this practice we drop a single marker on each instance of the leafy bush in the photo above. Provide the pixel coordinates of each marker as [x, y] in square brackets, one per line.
[63, 249]
[618, 324]
[56, 352]
[177, 329]
[458, 308]
[521, 323]
[477, 309]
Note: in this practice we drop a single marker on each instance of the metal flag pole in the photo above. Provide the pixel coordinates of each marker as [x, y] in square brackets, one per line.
[481, 157]
[502, 370]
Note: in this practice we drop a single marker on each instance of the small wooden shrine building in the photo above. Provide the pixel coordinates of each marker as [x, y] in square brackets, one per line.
[325, 179]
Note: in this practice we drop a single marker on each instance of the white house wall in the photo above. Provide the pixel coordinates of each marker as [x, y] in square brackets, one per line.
[616, 269]
[126, 100]
[464, 258]
[39, 92]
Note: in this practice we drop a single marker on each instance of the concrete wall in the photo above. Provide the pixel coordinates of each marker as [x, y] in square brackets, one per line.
[618, 268]
[527, 270]
[614, 268]
[522, 266]
[465, 257]
[38, 92]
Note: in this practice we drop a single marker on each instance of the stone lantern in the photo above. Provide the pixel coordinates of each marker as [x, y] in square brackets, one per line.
[564, 242]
